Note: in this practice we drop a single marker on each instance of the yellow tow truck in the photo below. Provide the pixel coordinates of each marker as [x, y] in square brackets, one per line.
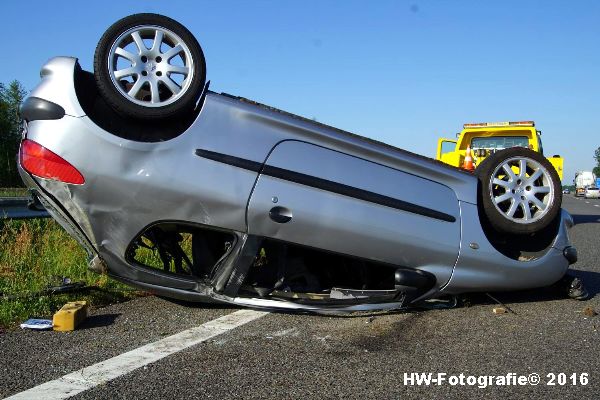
[486, 138]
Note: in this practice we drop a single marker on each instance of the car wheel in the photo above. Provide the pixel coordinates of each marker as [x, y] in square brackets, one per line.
[520, 191]
[148, 66]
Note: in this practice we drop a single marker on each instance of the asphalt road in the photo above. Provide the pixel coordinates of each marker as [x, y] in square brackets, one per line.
[304, 356]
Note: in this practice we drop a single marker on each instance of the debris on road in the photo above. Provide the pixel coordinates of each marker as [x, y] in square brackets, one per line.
[500, 310]
[589, 312]
[37, 324]
[577, 291]
[506, 308]
[70, 316]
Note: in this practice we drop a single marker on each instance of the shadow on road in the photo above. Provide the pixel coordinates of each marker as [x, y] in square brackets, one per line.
[194, 304]
[591, 280]
[585, 218]
[98, 321]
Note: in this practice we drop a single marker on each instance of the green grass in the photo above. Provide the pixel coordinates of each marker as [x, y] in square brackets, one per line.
[38, 253]
[13, 192]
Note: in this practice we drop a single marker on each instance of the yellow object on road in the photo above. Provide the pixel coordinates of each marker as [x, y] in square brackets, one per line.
[69, 316]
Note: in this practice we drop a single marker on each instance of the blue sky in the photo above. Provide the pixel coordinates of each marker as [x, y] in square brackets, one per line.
[404, 72]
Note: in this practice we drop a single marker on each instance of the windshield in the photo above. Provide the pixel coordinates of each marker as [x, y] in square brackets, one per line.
[499, 142]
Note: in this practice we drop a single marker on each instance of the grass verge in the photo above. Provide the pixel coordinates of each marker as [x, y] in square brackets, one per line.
[36, 254]
[14, 192]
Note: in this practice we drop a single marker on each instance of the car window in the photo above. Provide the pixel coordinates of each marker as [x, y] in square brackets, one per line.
[448, 147]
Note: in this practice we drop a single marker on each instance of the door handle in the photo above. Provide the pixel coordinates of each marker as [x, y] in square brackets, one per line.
[281, 215]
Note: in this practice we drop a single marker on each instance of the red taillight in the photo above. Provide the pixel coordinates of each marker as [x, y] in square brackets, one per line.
[39, 161]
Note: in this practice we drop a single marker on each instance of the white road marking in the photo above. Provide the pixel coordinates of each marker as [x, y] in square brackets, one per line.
[107, 370]
[596, 205]
[587, 202]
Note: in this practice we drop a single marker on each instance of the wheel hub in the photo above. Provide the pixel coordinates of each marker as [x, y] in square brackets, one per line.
[150, 66]
[521, 189]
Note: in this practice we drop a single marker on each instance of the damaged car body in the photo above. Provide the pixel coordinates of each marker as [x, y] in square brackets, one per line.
[233, 201]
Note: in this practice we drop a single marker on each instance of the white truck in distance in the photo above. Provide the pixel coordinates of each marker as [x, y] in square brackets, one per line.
[582, 180]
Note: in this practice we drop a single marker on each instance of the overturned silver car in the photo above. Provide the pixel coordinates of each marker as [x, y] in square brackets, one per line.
[202, 196]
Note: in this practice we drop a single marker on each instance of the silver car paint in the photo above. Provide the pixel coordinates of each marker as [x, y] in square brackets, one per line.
[56, 73]
[485, 269]
[167, 181]
[329, 221]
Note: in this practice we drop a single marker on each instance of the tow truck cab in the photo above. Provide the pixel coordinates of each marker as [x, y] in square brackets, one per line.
[485, 138]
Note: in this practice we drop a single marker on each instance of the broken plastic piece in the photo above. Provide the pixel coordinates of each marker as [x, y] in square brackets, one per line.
[577, 290]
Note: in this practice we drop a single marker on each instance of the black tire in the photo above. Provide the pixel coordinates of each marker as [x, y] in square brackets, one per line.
[497, 199]
[150, 75]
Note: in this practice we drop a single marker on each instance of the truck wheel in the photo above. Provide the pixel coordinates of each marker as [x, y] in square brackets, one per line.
[520, 191]
[148, 66]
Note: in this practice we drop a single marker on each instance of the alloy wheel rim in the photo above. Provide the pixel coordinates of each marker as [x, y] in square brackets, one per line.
[150, 66]
[521, 190]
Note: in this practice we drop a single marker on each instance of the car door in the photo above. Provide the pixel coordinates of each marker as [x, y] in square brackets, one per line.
[318, 197]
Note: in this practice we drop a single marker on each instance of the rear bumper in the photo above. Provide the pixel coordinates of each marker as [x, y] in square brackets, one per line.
[59, 212]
